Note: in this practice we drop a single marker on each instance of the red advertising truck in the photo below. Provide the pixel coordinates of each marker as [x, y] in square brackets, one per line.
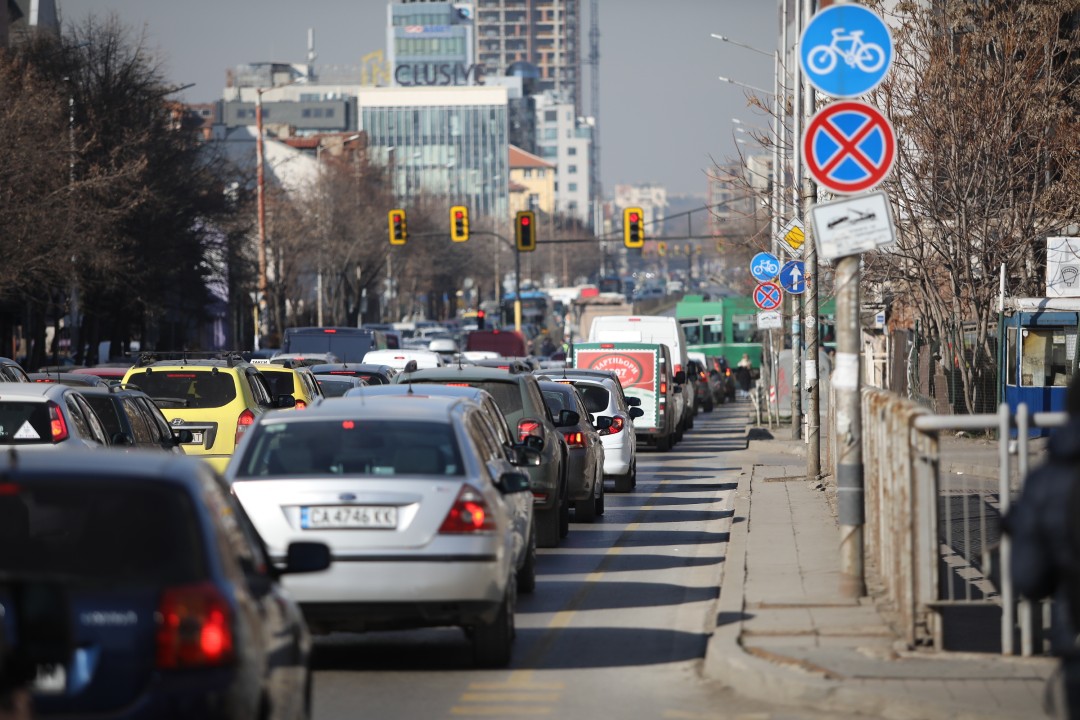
[645, 372]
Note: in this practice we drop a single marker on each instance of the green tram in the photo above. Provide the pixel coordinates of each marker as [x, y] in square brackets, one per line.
[728, 327]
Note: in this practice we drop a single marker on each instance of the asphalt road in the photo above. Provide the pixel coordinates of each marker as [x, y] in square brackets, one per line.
[616, 628]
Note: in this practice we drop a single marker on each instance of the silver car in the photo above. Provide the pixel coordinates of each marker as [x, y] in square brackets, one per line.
[504, 448]
[37, 416]
[415, 518]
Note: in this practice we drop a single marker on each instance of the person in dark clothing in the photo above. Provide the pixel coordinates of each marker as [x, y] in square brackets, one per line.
[1044, 558]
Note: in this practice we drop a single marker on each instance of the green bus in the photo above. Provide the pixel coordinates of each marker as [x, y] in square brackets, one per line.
[727, 327]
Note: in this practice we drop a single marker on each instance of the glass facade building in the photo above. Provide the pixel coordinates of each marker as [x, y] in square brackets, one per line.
[431, 43]
[442, 142]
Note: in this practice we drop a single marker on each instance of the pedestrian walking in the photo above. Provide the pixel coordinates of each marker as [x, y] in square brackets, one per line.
[743, 376]
[1045, 530]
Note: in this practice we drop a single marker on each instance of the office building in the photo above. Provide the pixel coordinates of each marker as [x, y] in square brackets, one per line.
[542, 32]
[441, 141]
[565, 139]
[20, 18]
[431, 43]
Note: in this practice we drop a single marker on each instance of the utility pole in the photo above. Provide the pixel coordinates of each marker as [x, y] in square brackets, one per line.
[810, 319]
[796, 204]
[851, 511]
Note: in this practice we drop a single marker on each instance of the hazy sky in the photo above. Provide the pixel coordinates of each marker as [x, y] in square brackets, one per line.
[663, 113]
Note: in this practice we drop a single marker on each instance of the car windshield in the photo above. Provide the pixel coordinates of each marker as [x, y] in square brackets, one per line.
[280, 382]
[103, 532]
[106, 410]
[187, 388]
[24, 423]
[596, 398]
[334, 388]
[352, 447]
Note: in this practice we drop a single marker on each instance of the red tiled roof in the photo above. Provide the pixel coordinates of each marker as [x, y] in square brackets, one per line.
[517, 187]
[521, 159]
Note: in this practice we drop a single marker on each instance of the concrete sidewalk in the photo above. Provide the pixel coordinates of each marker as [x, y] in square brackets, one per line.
[785, 634]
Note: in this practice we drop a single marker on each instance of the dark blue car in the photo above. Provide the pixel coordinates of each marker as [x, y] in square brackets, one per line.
[172, 609]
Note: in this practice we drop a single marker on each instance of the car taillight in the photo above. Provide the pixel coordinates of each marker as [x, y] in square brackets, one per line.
[575, 439]
[663, 388]
[246, 420]
[194, 627]
[678, 369]
[468, 514]
[300, 404]
[701, 376]
[57, 424]
[728, 372]
[527, 427]
[617, 425]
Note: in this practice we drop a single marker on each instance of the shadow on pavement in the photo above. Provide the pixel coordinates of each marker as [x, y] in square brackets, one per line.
[586, 563]
[600, 647]
[610, 595]
[695, 487]
[677, 516]
[726, 618]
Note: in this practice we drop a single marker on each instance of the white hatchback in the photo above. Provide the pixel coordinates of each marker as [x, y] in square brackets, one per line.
[398, 359]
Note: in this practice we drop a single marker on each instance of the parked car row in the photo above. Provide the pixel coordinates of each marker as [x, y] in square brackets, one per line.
[405, 497]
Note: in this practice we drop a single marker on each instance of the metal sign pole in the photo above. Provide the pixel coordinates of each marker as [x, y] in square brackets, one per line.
[810, 321]
[796, 205]
[851, 511]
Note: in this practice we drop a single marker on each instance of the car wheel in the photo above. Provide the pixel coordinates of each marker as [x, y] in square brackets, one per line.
[709, 406]
[526, 576]
[493, 642]
[633, 475]
[547, 527]
[600, 499]
[663, 444]
[623, 483]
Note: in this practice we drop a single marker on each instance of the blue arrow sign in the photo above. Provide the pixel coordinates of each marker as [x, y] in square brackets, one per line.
[845, 50]
[793, 277]
[764, 266]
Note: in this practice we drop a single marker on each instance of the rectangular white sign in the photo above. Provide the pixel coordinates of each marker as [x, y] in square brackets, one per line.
[1062, 267]
[853, 225]
[769, 320]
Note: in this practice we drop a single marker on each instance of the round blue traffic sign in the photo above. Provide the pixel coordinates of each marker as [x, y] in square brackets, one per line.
[764, 266]
[845, 50]
[793, 277]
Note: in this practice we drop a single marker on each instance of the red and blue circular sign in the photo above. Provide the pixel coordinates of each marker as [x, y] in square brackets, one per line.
[849, 147]
[767, 296]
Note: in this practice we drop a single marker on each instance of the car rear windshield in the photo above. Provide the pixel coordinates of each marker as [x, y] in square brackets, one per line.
[352, 447]
[24, 423]
[280, 382]
[187, 388]
[106, 409]
[101, 532]
[596, 398]
[507, 396]
[558, 401]
[347, 347]
[334, 388]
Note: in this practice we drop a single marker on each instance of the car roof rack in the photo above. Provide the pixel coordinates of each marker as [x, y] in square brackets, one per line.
[149, 357]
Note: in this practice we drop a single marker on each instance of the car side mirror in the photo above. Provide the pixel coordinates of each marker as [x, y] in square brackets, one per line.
[182, 437]
[603, 422]
[306, 557]
[680, 377]
[512, 482]
[525, 456]
[636, 412]
[633, 401]
[121, 440]
[568, 418]
[284, 401]
[535, 442]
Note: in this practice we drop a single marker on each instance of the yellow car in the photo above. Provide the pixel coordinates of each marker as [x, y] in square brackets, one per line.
[286, 378]
[217, 397]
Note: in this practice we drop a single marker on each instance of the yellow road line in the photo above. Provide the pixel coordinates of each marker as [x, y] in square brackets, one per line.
[505, 697]
[500, 710]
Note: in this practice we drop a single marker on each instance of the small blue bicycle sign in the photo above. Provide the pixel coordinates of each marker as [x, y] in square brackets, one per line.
[846, 50]
[764, 266]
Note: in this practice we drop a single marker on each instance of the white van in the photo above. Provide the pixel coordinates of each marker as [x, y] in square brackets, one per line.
[650, 329]
[398, 359]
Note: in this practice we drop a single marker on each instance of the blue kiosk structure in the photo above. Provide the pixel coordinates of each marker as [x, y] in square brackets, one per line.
[1038, 358]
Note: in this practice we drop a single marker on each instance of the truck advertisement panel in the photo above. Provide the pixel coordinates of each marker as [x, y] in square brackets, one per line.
[636, 366]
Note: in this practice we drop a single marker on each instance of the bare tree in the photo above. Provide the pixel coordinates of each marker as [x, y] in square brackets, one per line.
[984, 101]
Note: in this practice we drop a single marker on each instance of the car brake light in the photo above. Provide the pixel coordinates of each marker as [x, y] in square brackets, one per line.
[607, 346]
[194, 627]
[329, 331]
[44, 380]
[468, 514]
[701, 375]
[458, 384]
[575, 439]
[300, 404]
[663, 388]
[527, 427]
[633, 319]
[57, 424]
[8, 488]
[617, 424]
[246, 420]
[678, 369]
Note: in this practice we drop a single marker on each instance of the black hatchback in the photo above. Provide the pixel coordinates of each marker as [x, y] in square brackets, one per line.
[132, 419]
[172, 609]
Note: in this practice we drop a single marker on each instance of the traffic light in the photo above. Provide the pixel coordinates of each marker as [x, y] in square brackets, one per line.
[525, 231]
[479, 319]
[399, 231]
[459, 223]
[633, 227]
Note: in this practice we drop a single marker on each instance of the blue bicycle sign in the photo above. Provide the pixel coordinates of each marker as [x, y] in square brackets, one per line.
[764, 266]
[845, 50]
